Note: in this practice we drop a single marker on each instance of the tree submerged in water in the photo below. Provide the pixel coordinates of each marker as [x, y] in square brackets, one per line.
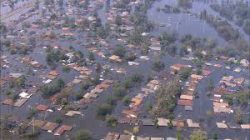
[198, 135]
[82, 135]
[185, 3]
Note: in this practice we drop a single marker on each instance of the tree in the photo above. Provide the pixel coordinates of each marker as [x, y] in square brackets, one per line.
[111, 100]
[238, 116]
[185, 3]
[85, 85]
[11, 4]
[78, 96]
[120, 51]
[84, 24]
[185, 73]
[58, 120]
[118, 20]
[119, 91]
[210, 85]
[198, 135]
[91, 56]
[60, 3]
[111, 121]
[136, 129]
[171, 49]
[98, 67]
[51, 89]
[66, 69]
[166, 99]
[101, 32]
[215, 136]
[96, 79]
[246, 27]
[104, 109]
[178, 135]
[168, 38]
[240, 98]
[136, 38]
[20, 82]
[83, 135]
[158, 65]
[126, 100]
[3, 28]
[60, 83]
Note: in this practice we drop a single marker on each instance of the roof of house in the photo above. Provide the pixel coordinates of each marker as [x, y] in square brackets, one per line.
[171, 138]
[188, 108]
[76, 81]
[162, 122]
[72, 113]
[112, 136]
[186, 97]
[20, 102]
[8, 102]
[142, 138]
[196, 77]
[221, 125]
[218, 65]
[185, 102]
[130, 113]
[53, 73]
[206, 72]
[37, 123]
[103, 86]
[178, 123]
[115, 58]
[157, 138]
[245, 126]
[136, 100]
[222, 110]
[15, 75]
[220, 104]
[147, 122]
[50, 126]
[41, 107]
[124, 137]
[192, 124]
[239, 81]
[62, 129]
[178, 66]
[221, 90]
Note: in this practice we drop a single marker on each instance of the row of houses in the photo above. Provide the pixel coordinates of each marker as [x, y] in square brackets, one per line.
[51, 127]
[174, 69]
[22, 98]
[94, 93]
[187, 96]
[242, 62]
[230, 81]
[131, 114]
[117, 136]
[227, 85]
[4, 63]
[30, 61]
[189, 123]
[224, 125]
[162, 122]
